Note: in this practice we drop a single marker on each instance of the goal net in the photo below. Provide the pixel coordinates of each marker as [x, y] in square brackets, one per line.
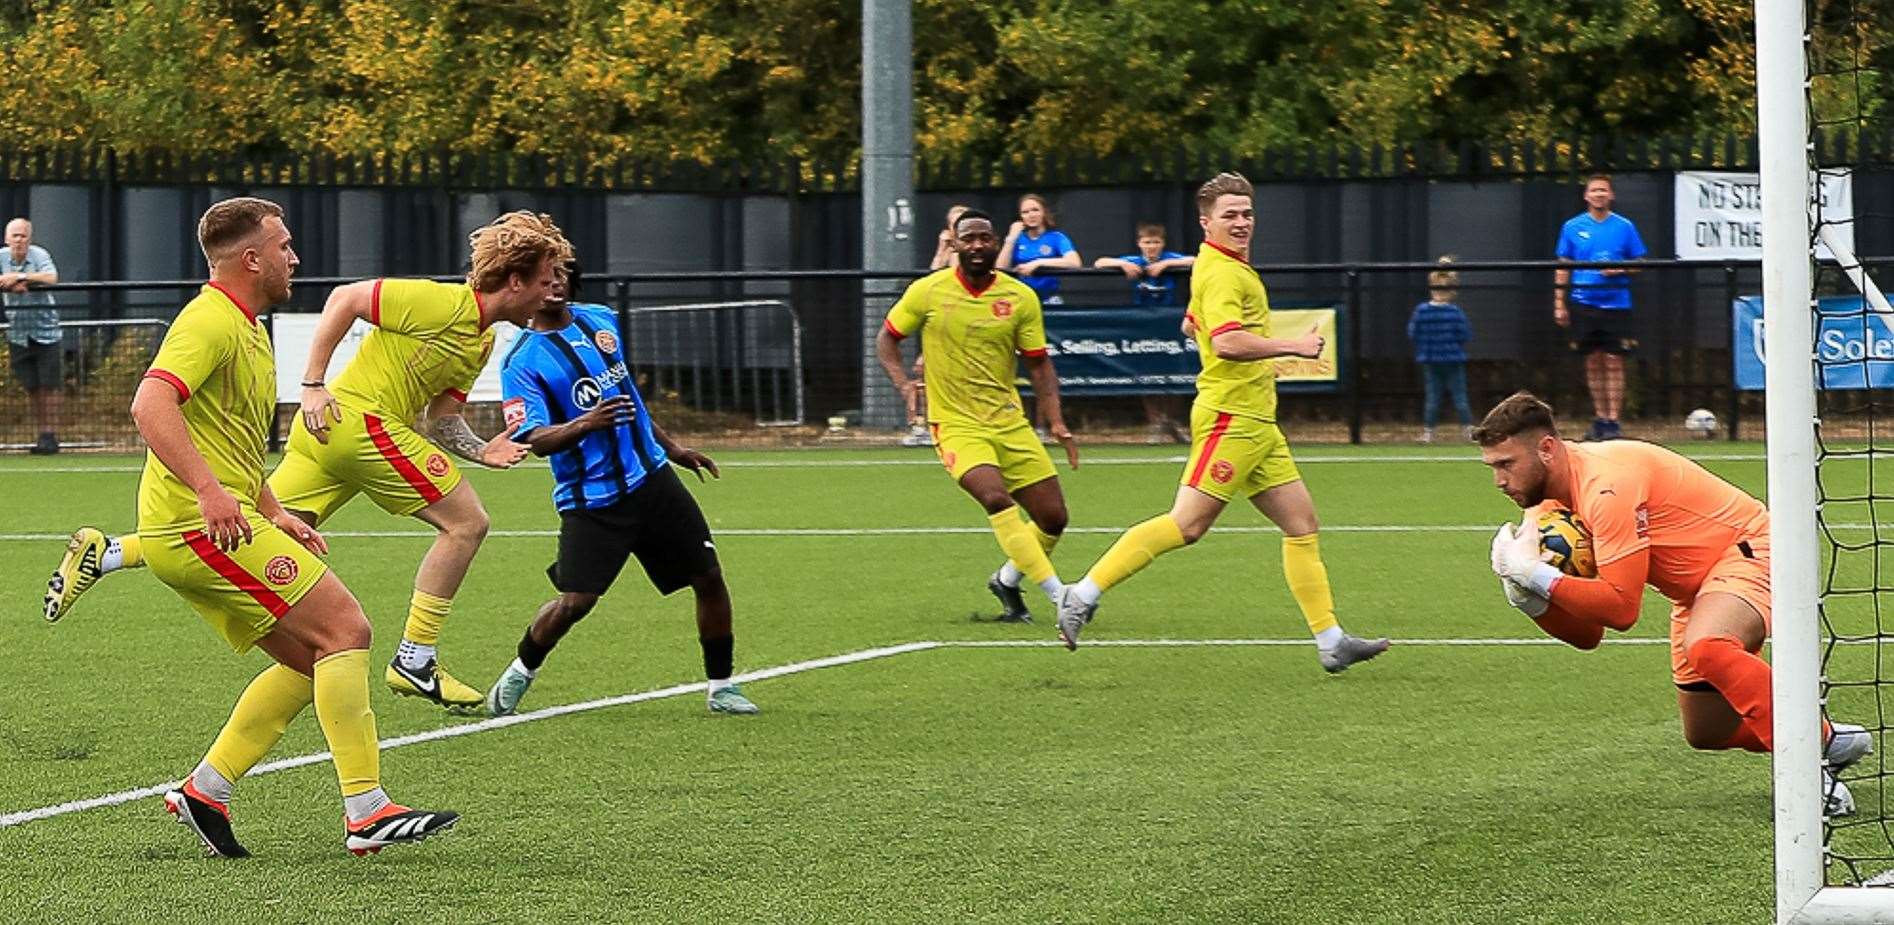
[1822, 106]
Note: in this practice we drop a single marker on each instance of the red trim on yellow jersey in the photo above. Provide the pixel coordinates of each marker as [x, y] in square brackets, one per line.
[1033, 353]
[245, 309]
[456, 395]
[969, 286]
[1227, 327]
[1233, 255]
[1209, 448]
[374, 305]
[481, 321]
[402, 464]
[165, 375]
[234, 573]
[888, 326]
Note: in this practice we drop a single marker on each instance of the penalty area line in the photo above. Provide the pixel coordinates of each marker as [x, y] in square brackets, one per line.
[24, 816]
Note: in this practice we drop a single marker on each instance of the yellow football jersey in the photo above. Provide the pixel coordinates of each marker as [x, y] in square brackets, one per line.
[971, 340]
[427, 341]
[1226, 295]
[217, 355]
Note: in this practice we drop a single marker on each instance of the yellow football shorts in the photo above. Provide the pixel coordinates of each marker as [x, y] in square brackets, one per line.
[242, 592]
[1235, 457]
[386, 460]
[1015, 450]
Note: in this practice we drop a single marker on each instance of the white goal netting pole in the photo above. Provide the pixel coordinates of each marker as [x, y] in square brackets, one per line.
[1783, 138]
[1785, 146]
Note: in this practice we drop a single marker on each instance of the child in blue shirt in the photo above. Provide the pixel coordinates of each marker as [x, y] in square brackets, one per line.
[1440, 331]
[1148, 268]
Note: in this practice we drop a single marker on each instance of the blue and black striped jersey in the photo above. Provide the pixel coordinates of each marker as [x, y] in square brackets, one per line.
[551, 377]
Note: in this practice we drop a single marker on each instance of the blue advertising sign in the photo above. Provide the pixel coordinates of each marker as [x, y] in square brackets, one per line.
[1854, 345]
[1138, 350]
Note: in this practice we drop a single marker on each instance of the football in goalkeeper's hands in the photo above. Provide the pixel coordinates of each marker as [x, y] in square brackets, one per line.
[1567, 543]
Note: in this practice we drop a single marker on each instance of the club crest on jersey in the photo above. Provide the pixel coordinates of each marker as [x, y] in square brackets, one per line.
[606, 342]
[1221, 472]
[280, 571]
[1644, 522]
[514, 411]
[436, 465]
[947, 459]
[1003, 308]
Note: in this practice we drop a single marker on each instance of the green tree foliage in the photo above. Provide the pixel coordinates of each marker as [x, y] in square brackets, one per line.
[710, 80]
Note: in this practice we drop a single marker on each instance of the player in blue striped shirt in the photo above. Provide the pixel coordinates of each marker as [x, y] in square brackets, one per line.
[569, 391]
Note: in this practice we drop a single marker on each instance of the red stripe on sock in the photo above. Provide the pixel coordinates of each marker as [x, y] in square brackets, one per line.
[404, 466]
[234, 573]
[1209, 448]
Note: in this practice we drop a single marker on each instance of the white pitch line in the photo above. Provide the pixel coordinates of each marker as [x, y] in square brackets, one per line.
[24, 816]
[447, 732]
[771, 532]
[1171, 460]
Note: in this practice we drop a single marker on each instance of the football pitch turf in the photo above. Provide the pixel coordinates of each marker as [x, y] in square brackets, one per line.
[1462, 777]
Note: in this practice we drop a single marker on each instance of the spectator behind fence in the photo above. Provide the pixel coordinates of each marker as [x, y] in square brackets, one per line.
[1153, 284]
[1601, 330]
[33, 336]
[1033, 245]
[1440, 331]
[944, 255]
[1148, 268]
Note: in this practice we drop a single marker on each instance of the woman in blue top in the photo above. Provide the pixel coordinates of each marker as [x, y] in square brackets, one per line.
[1033, 245]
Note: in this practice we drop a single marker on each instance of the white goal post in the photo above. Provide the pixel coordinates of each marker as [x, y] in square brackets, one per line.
[1784, 137]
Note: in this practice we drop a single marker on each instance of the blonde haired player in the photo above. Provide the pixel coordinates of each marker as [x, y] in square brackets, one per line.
[213, 531]
[1656, 518]
[428, 343]
[976, 323]
[1236, 449]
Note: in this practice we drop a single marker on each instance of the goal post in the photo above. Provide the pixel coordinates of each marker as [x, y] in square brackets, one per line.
[1785, 149]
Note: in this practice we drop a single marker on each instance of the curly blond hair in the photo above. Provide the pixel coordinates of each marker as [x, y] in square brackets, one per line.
[514, 243]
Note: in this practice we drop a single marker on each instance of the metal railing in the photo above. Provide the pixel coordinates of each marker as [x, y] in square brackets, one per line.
[747, 355]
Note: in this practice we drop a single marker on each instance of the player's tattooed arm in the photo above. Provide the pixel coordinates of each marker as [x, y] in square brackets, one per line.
[451, 433]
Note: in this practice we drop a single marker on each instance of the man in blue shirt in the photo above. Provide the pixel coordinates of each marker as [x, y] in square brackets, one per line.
[1601, 330]
[569, 392]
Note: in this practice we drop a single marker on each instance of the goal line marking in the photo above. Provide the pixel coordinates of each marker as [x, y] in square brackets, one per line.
[24, 816]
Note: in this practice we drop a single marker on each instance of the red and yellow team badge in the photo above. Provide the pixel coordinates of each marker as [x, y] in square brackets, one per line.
[1221, 472]
[280, 571]
[1003, 308]
[947, 459]
[606, 342]
[436, 465]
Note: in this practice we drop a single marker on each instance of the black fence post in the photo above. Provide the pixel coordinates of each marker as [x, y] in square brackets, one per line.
[1353, 355]
[1736, 393]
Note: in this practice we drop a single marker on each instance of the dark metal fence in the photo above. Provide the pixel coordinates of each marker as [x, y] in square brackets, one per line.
[770, 357]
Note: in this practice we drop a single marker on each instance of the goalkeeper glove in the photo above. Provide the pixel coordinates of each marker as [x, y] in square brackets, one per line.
[1524, 601]
[1518, 557]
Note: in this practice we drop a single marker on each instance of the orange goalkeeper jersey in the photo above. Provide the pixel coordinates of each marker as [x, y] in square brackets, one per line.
[1635, 495]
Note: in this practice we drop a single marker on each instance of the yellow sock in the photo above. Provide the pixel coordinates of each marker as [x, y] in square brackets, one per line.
[341, 695]
[1046, 540]
[1020, 546]
[262, 713]
[1137, 548]
[132, 549]
[426, 613]
[1308, 581]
